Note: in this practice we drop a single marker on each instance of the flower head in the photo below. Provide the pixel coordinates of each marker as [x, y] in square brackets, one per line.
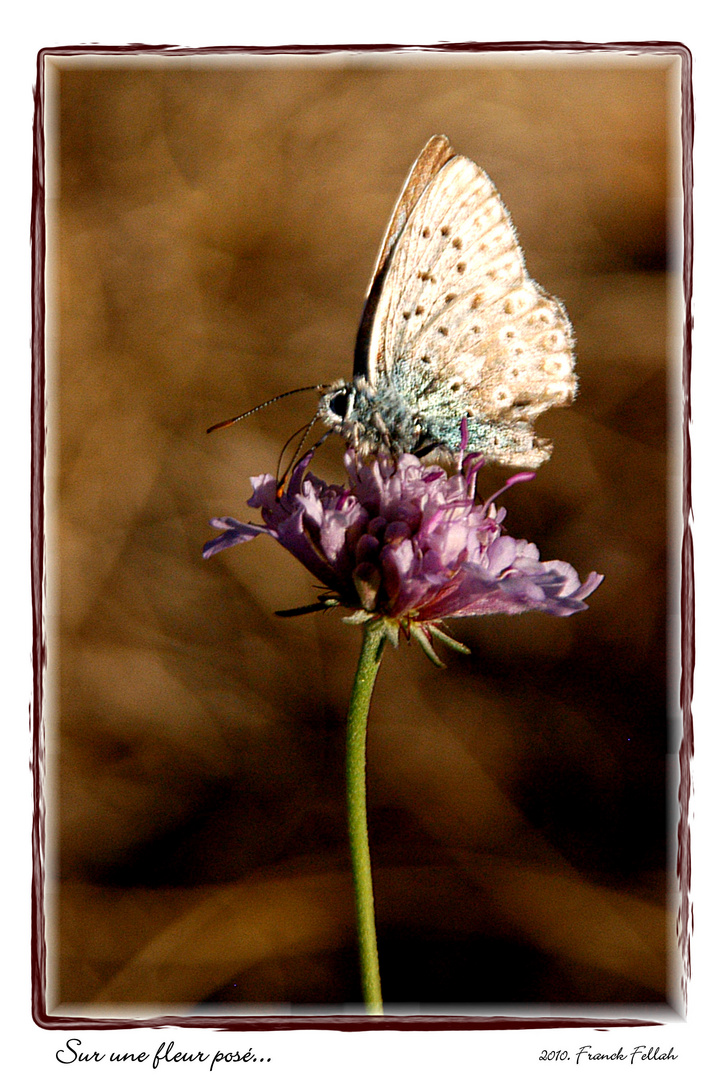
[407, 543]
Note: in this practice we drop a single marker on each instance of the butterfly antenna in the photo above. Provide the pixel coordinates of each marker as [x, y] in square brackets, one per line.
[303, 431]
[319, 442]
[295, 456]
[278, 397]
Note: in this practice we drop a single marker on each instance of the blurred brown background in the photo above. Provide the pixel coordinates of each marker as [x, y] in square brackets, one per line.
[213, 236]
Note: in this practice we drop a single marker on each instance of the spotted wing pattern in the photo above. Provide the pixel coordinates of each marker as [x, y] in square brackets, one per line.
[457, 324]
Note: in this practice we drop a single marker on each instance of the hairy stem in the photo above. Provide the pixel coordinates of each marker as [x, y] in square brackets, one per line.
[369, 660]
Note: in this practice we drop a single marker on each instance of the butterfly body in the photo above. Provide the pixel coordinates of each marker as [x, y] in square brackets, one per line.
[453, 328]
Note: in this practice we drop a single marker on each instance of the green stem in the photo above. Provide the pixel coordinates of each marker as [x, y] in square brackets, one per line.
[374, 637]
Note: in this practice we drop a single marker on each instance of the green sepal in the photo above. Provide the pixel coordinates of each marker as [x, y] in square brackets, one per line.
[421, 636]
[392, 631]
[448, 640]
[358, 617]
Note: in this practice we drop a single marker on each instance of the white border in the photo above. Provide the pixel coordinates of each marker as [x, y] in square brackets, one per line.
[30, 1051]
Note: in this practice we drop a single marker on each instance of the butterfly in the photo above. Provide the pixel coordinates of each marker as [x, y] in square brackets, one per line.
[453, 329]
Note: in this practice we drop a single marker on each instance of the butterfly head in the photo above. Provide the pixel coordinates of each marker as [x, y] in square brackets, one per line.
[369, 419]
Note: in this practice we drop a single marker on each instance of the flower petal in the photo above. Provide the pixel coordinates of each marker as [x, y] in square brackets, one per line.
[235, 533]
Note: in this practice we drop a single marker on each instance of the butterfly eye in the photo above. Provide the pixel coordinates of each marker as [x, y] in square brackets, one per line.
[339, 403]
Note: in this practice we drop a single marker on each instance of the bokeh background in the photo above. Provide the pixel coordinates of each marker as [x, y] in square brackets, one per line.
[213, 227]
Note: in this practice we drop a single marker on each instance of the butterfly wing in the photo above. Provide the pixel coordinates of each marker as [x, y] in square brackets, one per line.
[456, 324]
[435, 154]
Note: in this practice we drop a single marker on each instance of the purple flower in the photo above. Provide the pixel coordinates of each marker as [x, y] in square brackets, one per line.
[407, 543]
